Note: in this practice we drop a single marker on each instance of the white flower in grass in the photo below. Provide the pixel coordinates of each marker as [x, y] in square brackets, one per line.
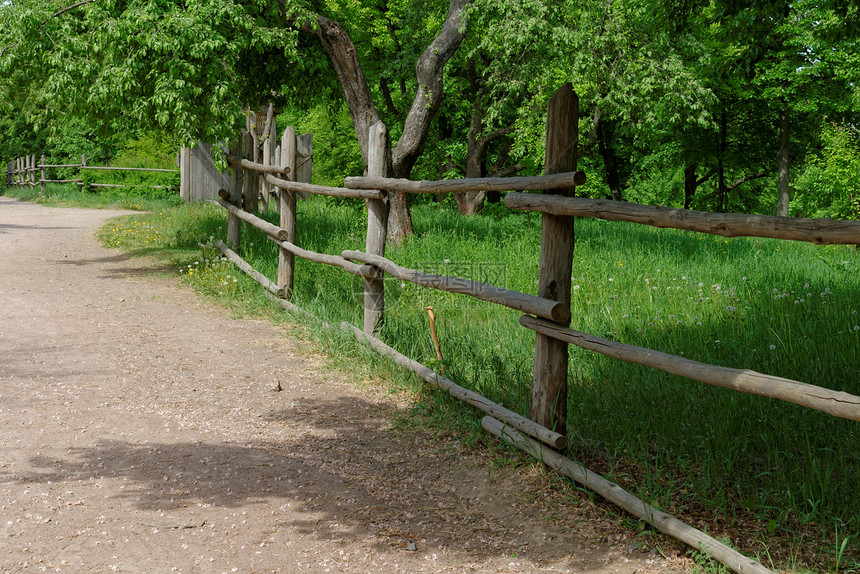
[857, 327]
[576, 287]
[772, 347]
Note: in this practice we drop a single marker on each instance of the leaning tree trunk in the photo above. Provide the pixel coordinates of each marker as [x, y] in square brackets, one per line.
[429, 74]
[783, 162]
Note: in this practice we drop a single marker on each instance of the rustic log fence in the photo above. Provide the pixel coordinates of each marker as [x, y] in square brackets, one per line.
[28, 172]
[548, 312]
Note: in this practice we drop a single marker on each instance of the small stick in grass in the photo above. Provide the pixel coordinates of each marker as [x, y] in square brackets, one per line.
[435, 339]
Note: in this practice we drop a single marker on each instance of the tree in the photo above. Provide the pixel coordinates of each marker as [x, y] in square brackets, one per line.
[190, 66]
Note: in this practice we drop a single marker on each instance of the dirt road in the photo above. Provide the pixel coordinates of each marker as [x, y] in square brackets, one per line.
[137, 436]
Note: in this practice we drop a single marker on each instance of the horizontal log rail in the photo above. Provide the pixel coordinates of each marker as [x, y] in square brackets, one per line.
[367, 271]
[662, 521]
[818, 231]
[836, 403]
[125, 168]
[258, 167]
[61, 181]
[478, 401]
[555, 181]
[541, 307]
[251, 219]
[244, 266]
[122, 185]
[298, 187]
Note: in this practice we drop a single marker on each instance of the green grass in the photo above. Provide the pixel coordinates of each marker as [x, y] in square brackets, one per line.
[61, 195]
[777, 479]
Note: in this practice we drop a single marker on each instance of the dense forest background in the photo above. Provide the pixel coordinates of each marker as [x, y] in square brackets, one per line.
[714, 105]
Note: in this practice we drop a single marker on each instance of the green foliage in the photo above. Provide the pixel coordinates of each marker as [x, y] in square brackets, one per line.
[829, 185]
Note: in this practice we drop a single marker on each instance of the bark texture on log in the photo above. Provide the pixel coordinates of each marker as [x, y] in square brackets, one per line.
[534, 183]
[485, 292]
[836, 403]
[818, 231]
[549, 394]
[480, 402]
[377, 227]
[662, 521]
[287, 201]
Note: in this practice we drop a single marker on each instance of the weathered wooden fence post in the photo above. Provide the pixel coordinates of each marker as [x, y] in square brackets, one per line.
[377, 227]
[84, 186]
[44, 175]
[287, 201]
[234, 224]
[270, 139]
[31, 170]
[250, 177]
[549, 395]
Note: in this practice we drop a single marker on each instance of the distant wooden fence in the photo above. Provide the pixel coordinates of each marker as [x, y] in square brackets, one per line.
[548, 312]
[27, 172]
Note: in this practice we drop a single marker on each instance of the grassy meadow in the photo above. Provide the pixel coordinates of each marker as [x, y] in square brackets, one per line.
[778, 480]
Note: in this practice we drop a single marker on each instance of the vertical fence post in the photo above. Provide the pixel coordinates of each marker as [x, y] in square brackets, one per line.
[234, 224]
[82, 170]
[31, 170]
[287, 201]
[17, 171]
[549, 395]
[249, 184]
[377, 227]
[44, 175]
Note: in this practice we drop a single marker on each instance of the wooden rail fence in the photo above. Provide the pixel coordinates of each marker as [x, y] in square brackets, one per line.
[27, 172]
[548, 312]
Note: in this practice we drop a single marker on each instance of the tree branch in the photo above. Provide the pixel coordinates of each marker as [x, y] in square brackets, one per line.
[746, 178]
[72, 7]
[706, 177]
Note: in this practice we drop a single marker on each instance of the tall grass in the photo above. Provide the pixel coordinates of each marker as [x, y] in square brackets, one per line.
[725, 459]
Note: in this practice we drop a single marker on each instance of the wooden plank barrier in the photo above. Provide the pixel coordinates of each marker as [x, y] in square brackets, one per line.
[818, 231]
[836, 403]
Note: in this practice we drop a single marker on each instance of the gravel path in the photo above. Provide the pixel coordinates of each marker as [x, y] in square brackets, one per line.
[136, 436]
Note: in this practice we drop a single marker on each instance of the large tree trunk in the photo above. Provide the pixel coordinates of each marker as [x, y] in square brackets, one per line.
[691, 183]
[429, 73]
[722, 190]
[783, 162]
[610, 161]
